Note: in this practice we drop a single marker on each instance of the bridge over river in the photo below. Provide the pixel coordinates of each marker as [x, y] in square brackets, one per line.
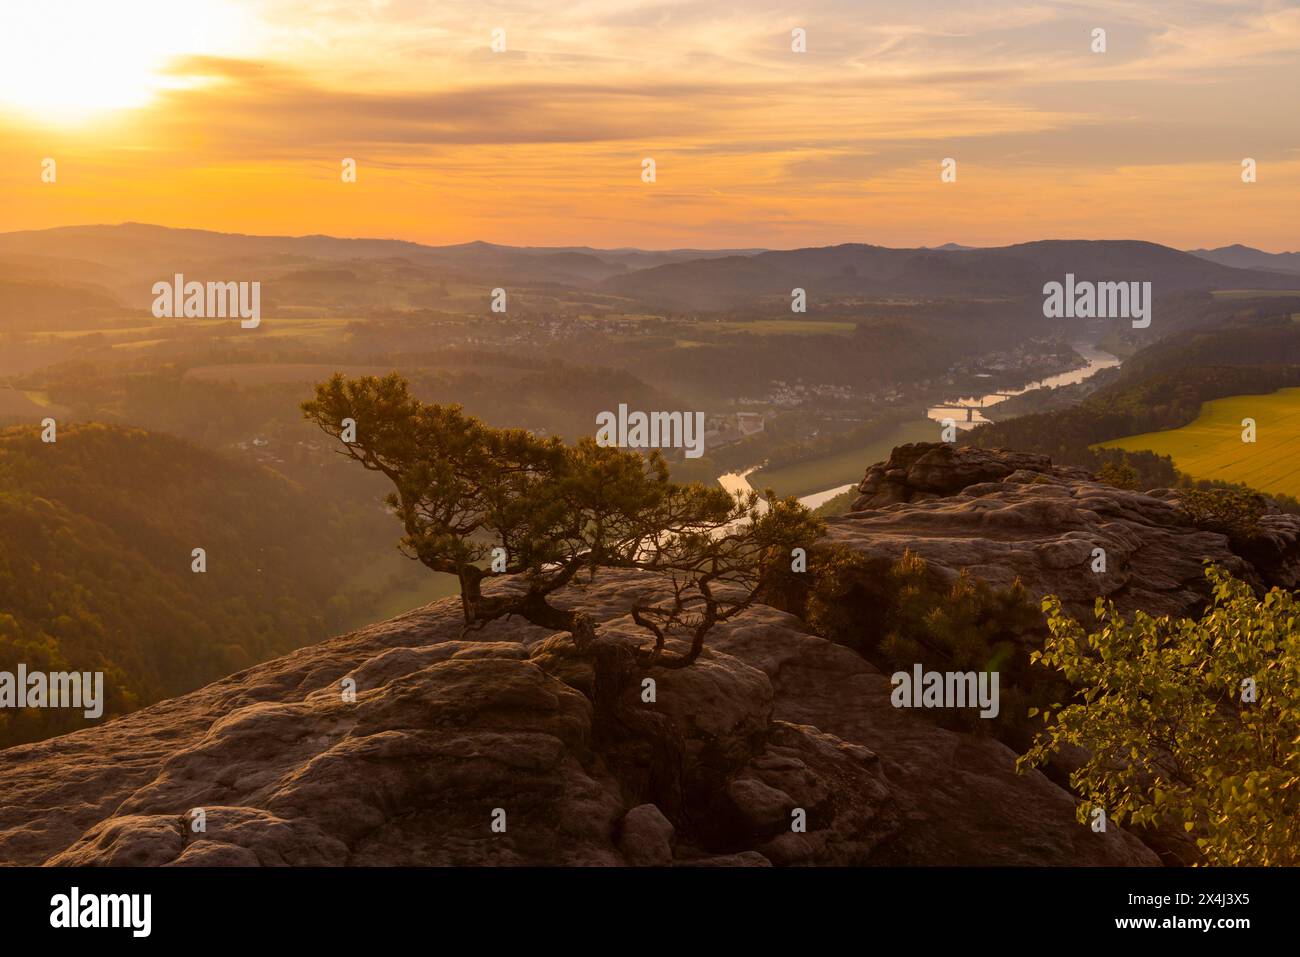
[968, 415]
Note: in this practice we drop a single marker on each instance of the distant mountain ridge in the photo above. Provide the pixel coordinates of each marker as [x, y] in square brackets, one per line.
[858, 269]
[129, 243]
[120, 263]
[1246, 257]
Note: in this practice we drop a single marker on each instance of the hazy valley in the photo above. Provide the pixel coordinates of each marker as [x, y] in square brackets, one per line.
[176, 434]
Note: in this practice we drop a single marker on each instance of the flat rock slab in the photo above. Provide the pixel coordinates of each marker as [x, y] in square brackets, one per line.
[445, 731]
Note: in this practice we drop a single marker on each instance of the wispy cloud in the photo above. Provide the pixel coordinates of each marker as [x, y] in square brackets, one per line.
[544, 142]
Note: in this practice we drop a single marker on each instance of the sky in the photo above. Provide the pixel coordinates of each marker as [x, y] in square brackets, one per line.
[237, 115]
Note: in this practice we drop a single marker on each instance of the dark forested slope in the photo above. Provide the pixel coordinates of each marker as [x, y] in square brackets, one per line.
[96, 536]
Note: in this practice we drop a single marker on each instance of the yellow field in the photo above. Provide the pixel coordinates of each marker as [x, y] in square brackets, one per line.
[1211, 447]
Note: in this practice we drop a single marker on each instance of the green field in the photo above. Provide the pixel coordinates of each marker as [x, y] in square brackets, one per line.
[1211, 447]
[109, 332]
[27, 405]
[816, 475]
[262, 373]
[1254, 293]
[788, 327]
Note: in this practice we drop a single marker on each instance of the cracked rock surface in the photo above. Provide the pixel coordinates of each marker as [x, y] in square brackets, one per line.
[1012, 515]
[443, 732]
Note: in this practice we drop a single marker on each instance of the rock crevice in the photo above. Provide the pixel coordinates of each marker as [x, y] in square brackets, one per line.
[444, 733]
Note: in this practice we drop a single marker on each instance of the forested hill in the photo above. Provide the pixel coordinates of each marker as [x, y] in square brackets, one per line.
[96, 535]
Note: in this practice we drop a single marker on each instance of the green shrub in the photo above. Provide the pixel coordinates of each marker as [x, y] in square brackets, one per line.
[897, 614]
[1120, 475]
[1230, 511]
[1172, 738]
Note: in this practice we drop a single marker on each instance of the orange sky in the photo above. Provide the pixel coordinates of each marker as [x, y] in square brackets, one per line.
[235, 115]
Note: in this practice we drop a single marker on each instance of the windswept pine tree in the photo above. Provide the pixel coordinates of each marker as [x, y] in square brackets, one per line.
[476, 501]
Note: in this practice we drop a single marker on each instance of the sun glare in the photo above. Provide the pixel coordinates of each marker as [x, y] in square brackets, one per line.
[66, 61]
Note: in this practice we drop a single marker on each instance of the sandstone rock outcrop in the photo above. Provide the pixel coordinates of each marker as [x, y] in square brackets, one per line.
[1006, 515]
[920, 471]
[446, 736]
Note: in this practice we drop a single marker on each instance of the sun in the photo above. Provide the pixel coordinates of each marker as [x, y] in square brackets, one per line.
[65, 61]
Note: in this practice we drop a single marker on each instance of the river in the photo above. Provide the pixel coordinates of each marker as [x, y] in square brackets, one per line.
[738, 483]
[965, 411]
